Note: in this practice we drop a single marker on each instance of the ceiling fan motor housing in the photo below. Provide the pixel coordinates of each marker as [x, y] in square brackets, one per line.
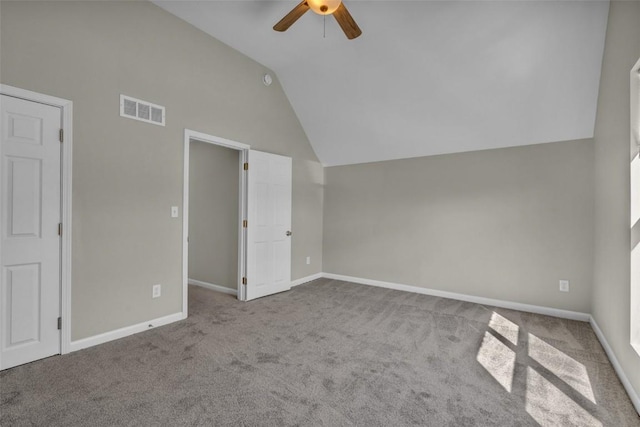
[324, 7]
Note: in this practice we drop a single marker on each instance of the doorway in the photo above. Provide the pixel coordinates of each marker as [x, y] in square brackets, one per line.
[214, 190]
[263, 220]
[200, 140]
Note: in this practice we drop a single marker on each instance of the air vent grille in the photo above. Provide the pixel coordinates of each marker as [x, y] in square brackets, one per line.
[144, 111]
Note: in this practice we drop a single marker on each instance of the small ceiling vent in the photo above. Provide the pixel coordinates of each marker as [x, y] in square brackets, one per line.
[144, 111]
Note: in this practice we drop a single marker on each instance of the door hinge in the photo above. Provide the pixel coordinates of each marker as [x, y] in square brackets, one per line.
[244, 280]
[60, 229]
[246, 166]
[59, 323]
[61, 135]
[245, 223]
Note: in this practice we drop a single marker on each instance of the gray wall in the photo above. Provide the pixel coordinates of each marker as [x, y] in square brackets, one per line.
[611, 291]
[127, 174]
[505, 224]
[213, 214]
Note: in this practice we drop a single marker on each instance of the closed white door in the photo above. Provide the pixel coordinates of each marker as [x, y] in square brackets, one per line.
[30, 245]
[269, 224]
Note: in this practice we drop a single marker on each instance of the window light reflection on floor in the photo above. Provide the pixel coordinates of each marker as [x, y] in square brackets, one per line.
[498, 359]
[551, 407]
[561, 365]
[547, 404]
[504, 327]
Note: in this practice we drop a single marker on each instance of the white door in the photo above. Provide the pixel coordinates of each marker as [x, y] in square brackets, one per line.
[269, 225]
[30, 244]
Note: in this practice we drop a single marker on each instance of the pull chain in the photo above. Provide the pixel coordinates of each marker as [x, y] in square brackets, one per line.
[324, 26]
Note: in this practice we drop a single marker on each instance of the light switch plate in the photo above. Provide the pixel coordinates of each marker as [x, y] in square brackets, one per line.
[174, 212]
[564, 286]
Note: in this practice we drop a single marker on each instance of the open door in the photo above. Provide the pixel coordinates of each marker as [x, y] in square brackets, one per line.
[30, 231]
[269, 225]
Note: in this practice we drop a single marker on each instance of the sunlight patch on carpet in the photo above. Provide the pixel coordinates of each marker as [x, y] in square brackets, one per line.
[551, 407]
[561, 365]
[504, 327]
[498, 359]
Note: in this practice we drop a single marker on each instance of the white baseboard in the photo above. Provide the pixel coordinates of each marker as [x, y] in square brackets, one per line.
[307, 279]
[555, 312]
[123, 332]
[633, 394]
[213, 287]
[573, 315]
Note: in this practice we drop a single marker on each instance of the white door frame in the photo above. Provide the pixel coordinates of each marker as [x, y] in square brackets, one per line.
[66, 109]
[190, 135]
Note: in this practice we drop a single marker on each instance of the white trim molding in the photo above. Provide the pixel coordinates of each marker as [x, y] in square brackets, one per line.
[635, 103]
[217, 288]
[633, 394]
[124, 332]
[307, 279]
[230, 291]
[204, 137]
[66, 110]
[634, 197]
[555, 312]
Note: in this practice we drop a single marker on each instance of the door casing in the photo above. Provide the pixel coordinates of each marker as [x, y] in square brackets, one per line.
[192, 135]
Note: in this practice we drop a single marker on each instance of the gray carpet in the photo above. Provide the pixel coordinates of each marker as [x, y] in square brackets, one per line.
[329, 353]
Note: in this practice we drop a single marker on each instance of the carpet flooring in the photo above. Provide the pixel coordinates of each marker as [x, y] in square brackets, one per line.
[329, 353]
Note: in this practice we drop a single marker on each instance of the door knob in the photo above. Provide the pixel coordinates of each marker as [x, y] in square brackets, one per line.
[288, 233]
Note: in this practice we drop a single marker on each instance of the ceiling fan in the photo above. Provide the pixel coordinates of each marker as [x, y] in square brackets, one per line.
[322, 7]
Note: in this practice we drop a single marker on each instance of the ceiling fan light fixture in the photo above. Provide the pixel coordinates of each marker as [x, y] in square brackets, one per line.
[324, 7]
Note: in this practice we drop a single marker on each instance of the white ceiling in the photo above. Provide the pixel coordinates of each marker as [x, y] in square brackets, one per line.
[425, 77]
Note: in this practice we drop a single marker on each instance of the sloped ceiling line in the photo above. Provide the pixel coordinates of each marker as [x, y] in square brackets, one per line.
[425, 77]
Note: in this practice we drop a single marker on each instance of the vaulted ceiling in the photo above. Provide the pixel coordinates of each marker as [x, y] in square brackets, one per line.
[425, 77]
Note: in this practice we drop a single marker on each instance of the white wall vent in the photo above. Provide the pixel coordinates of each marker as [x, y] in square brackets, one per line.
[144, 111]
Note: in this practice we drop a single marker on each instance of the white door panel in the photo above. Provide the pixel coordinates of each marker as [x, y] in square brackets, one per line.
[269, 219]
[23, 198]
[30, 245]
[23, 292]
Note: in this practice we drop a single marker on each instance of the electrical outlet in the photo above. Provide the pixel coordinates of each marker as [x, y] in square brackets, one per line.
[157, 291]
[564, 286]
[174, 212]
[308, 260]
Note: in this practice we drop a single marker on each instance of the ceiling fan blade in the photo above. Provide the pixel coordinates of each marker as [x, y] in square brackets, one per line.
[292, 17]
[348, 25]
